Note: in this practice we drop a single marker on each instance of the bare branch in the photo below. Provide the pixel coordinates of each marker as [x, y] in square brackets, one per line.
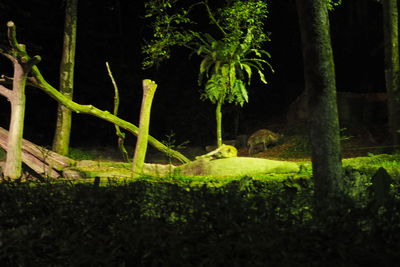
[121, 135]
[6, 80]
[4, 91]
[32, 61]
[12, 36]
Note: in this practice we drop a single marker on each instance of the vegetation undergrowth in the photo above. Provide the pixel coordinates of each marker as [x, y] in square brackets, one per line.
[178, 221]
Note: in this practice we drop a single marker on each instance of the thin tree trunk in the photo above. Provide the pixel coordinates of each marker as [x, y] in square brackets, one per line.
[149, 88]
[121, 135]
[13, 167]
[321, 88]
[218, 116]
[392, 67]
[22, 66]
[64, 115]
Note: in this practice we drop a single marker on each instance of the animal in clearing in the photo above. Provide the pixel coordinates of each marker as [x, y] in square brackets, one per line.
[224, 151]
[261, 139]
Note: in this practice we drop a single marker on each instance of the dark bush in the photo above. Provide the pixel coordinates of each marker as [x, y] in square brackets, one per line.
[244, 223]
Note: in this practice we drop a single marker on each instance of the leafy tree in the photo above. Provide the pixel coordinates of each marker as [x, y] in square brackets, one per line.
[229, 54]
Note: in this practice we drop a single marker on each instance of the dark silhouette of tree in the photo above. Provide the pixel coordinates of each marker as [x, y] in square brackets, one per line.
[392, 67]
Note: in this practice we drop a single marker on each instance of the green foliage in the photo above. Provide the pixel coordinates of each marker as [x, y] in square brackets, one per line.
[170, 143]
[169, 25]
[332, 4]
[227, 60]
[371, 164]
[229, 55]
[243, 223]
[227, 67]
[248, 221]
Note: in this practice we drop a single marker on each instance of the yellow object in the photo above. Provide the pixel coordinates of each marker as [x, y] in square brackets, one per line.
[224, 151]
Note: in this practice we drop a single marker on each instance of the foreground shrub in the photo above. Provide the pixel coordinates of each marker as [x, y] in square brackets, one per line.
[244, 223]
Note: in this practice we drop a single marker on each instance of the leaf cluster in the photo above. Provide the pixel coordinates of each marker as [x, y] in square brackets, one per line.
[227, 65]
[169, 23]
[332, 4]
[229, 55]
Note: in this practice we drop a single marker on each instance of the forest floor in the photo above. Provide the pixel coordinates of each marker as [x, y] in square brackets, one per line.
[357, 142]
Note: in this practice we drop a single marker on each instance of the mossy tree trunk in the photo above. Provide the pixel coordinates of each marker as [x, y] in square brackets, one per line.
[64, 115]
[320, 84]
[149, 88]
[22, 66]
[392, 67]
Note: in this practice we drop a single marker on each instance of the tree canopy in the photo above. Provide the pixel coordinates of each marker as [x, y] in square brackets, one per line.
[230, 50]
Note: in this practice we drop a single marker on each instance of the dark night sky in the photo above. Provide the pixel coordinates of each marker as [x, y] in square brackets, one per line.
[112, 30]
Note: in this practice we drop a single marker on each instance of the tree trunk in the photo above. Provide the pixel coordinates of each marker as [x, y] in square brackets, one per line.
[149, 88]
[13, 167]
[320, 84]
[22, 66]
[392, 67]
[64, 115]
[218, 117]
[44, 162]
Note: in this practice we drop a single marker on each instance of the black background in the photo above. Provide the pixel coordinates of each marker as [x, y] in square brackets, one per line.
[113, 31]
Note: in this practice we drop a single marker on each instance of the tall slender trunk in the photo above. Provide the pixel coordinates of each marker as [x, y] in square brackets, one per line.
[218, 117]
[22, 66]
[13, 167]
[64, 115]
[392, 67]
[320, 84]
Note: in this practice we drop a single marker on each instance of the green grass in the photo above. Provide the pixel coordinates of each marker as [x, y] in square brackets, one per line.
[372, 163]
[368, 165]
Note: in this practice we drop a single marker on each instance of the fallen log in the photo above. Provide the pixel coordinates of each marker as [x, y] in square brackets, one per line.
[235, 166]
[44, 162]
[107, 169]
[50, 164]
[218, 168]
